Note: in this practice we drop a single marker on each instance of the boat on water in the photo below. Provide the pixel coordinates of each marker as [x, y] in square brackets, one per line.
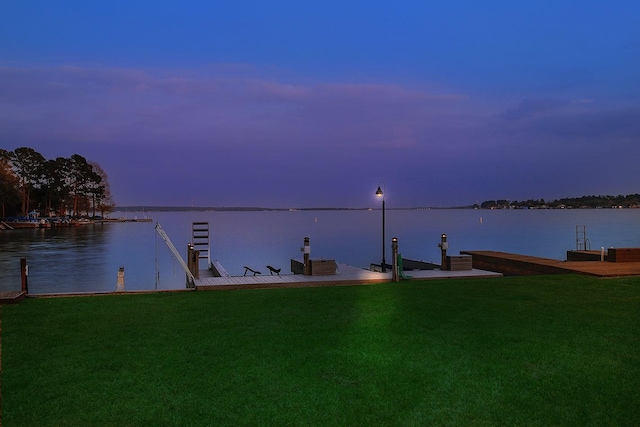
[31, 224]
[33, 221]
[58, 222]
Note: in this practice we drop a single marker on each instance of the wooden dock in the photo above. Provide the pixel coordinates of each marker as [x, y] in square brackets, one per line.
[524, 265]
[347, 275]
[12, 297]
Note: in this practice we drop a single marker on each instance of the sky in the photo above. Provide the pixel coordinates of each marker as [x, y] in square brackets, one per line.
[315, 104]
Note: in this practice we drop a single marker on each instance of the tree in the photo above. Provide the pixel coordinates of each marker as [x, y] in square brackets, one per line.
[28, 165]
[57, 181]
[64, 184]
[9, 183]
[47, 187]
[80, 176]
[488, 204]
[102, 196]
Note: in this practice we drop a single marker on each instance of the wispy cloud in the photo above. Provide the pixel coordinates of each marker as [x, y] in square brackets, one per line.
[102, 103]
[528, 108]
[311, 127]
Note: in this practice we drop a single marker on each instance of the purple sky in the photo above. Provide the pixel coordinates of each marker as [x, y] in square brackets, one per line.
[314, 104]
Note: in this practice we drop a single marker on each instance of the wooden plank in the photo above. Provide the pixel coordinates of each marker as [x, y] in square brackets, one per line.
[624, 255]
[524, 265]
[12, 297]
[585, 256]
[458, 262]
[323, 267]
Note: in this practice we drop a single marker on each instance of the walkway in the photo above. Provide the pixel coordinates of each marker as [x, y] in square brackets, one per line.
[525, 265]
[347, 275]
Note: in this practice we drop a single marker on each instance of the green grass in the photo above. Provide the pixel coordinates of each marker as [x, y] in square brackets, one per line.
[535, 351]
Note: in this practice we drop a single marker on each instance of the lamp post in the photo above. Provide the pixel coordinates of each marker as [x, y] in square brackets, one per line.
[380, 193]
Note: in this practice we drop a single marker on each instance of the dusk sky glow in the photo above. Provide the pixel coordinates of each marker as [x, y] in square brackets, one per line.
[314, 104]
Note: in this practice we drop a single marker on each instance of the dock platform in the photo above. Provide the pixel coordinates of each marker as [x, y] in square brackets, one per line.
[12, 297]
[524, 265]
[347, 275]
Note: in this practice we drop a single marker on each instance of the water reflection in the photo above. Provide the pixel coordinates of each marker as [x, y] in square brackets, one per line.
[59, 259]
[87, 258]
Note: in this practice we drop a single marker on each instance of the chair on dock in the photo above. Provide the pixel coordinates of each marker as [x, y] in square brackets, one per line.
[401, 269]
[251, 270]
[274, 270]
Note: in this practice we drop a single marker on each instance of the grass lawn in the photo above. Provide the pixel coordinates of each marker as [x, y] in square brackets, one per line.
[554, 350]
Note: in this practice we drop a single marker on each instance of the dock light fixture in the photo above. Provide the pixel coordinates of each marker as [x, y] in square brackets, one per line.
[380, 193]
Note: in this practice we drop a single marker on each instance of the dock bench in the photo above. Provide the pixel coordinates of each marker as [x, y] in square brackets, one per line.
[274, 270]
[251, 270]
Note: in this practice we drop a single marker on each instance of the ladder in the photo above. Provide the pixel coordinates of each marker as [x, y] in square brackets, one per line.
[200, 240]
[582, 243]
[190, 277]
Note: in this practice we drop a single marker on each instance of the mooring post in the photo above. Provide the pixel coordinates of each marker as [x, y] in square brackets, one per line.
[189, 260]
[195, 263]
[24, 273]
[306, 251]
[394, 261]
[192, 261]
[444, 245]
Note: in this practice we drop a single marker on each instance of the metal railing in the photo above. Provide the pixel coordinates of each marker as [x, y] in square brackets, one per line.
[191, 278]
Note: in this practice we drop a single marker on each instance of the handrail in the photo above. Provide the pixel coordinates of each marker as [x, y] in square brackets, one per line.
[175, 252]
[5, 226]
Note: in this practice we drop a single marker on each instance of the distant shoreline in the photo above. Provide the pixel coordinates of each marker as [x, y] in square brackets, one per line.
[125, 209]
[584, 202]
[252, 209]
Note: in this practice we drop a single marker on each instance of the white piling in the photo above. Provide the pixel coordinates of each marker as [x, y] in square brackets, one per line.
[120, 282]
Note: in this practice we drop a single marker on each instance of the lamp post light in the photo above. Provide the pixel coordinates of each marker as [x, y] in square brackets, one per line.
[380, 193]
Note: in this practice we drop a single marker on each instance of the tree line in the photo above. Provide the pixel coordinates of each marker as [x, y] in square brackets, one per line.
[62, 186]
[584, 202]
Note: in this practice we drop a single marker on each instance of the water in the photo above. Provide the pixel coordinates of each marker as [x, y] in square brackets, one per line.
[87, 258]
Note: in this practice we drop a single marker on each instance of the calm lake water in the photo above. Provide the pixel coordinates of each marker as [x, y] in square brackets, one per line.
[87, 258]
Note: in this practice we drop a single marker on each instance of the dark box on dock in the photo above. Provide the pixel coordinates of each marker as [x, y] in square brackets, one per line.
[317, 267]
[623, 255]
[297, 267]
[323, 267]
[458, 263]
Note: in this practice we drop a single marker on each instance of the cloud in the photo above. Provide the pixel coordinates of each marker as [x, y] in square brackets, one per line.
[528, 108]
[572, 121]
[253, 134]
[99, 105]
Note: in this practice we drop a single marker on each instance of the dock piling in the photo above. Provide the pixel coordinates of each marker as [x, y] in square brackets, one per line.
[443, 245]
[24, 273]
[394, 254]
[120, 281]
[306, 249]
[193, 261]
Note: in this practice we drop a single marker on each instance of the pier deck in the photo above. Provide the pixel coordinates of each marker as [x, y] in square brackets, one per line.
[348, 275]
[525, 265]
[12, 297]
